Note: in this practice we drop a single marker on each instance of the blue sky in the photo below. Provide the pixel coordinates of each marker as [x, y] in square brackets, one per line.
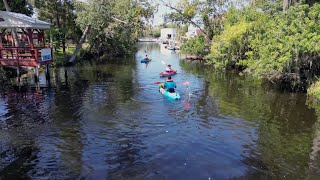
[158, 19]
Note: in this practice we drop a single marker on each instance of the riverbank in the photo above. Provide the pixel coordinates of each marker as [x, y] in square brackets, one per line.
[262, 44]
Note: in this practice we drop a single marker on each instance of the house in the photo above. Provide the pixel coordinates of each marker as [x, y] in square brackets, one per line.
[168, 34]
[29, 48]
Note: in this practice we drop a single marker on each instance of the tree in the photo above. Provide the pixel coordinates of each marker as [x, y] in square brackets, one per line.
[115, 25]
[61, 13]
[18, 6]
[195, 46]
[204, 15]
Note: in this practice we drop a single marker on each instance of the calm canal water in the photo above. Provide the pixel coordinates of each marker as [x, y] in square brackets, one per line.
[107, 120]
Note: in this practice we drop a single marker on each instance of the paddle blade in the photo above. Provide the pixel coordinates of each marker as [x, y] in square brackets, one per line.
[157, 82]
[185, 83]
[163, 62]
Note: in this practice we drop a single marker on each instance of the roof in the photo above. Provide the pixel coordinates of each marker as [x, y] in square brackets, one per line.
[17, 20]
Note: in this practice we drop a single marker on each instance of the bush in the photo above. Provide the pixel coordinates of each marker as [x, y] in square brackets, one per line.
[195, 46]
[272, 46]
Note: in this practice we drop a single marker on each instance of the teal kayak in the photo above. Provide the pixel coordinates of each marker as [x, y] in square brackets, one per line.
[145, 60]
[174, 95]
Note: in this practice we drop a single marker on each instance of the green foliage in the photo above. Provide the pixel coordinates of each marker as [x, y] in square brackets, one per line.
[116, 24]
[18, 6]
[156, 33]
[206, 13]
[313, 99]
[59, 59]
[229, 47]
[270, 7]
[267, 45]
[285, 43]
[195, 46]
[62, 15]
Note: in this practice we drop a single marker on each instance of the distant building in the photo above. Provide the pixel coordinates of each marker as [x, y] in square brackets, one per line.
[168, 34]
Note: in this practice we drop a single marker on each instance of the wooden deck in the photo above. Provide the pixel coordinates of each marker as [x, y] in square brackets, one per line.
[22, 56]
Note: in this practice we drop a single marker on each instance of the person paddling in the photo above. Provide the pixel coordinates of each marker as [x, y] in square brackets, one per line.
[169, 85]
[168, 68]
[146, 57]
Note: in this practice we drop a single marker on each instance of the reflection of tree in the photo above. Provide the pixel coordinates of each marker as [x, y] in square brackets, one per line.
[284, 123]
[67, 116]
[314, 163]
[88, 96]
[26, 113]
[146, 46]
[107, 109]
[117, 77]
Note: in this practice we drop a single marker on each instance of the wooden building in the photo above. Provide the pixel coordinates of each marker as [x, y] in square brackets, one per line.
[30, 49]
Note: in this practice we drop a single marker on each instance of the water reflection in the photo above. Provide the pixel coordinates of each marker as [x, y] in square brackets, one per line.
[280, 143]
[106, 119]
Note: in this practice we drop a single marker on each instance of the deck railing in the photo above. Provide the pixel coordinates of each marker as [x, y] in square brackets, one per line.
[21, 56]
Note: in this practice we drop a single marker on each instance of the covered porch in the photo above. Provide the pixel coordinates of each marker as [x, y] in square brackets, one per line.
[29, 48]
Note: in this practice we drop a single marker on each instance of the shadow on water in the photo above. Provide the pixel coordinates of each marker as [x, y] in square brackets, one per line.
[283, 133]
[106, 119]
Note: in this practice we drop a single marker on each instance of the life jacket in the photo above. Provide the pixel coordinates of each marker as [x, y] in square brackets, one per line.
[169, 85]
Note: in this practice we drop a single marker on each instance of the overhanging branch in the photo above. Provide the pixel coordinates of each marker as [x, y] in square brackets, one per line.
[169, 5]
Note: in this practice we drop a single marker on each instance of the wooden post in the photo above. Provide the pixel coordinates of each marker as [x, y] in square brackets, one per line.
[42, 37]
[47, 73]
[36, 74]
[18, 75]
[66, 76]
[30, 39]
[1, 45]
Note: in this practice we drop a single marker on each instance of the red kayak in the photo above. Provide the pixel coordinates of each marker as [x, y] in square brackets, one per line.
[165, 73]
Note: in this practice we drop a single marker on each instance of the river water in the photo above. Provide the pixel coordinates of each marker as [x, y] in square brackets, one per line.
[107, 120]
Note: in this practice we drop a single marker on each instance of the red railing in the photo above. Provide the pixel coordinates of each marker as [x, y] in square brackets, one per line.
[21, 56]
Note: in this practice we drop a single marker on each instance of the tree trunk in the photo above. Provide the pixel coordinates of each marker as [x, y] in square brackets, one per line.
[64, 47]
[79, 45]
[6, 5]
[310, 2]
[285, 5]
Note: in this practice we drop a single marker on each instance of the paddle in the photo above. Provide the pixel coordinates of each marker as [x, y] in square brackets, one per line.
[184, 83]
[164, 63]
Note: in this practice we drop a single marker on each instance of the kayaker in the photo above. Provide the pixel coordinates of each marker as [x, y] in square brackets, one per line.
[146, 57]
[168, 68]
[169, 85]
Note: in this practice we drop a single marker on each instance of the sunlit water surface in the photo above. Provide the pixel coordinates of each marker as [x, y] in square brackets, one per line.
[107, 120]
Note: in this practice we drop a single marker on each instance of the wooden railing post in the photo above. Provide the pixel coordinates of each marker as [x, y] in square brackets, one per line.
[1, 45]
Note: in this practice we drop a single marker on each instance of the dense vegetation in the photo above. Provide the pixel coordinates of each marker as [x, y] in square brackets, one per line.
[195, 46]
[19, 6]
[282, 46]
[277, 40]
[110, 27]
[115, 25]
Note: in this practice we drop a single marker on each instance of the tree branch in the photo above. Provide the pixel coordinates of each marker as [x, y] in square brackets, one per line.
[116, 19]
[181, 13]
